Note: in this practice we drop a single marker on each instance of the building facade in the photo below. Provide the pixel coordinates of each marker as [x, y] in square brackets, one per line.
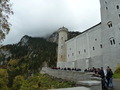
[99, 46]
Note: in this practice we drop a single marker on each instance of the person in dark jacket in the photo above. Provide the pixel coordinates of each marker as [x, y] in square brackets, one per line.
[109, 76]
[103, 81]
[111, 79]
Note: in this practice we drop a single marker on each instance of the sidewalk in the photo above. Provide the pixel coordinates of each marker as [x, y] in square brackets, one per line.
[116, 83]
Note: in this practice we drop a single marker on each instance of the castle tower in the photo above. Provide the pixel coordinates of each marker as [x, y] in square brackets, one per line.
[62, 47]
[110, 13]
[110, 32]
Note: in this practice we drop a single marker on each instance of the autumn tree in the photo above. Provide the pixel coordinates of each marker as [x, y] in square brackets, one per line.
[5, 11]
[17, 82]
[3, 79]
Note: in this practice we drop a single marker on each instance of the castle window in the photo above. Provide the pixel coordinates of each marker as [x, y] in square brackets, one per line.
[109, 24]
[106, 8]
[117, 6]
[119, 15]
[68, 55]
[96, 39]
[79, 52]
[93, 48]
[72, 54]
[61, 56]
[61, 38]
[84, 50]
[101, 46]
[105, 2]
[61, 47]
[112, 41]
[70, 48]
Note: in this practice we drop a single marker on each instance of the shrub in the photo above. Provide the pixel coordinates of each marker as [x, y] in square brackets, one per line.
[43, 82]
[118, 69]
[117, 73]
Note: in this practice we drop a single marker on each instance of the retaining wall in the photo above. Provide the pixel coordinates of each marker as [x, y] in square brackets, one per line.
[68, 75]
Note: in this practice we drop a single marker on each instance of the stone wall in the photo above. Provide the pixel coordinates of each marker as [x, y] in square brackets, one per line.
[81, 78]
[68, 75]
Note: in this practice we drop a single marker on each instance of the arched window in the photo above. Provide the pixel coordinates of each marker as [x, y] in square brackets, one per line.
[112, 41]
[109, 24]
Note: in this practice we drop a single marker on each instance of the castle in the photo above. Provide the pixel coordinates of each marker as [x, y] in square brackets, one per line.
[99, 46]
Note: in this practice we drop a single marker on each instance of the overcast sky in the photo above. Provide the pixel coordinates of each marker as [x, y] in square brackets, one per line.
[38, 18]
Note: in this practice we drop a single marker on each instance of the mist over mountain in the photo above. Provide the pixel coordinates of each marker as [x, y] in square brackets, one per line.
[36, 51]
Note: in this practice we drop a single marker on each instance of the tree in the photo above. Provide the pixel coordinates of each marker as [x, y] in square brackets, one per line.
[3, 79]
[5, 11]
[18, 82]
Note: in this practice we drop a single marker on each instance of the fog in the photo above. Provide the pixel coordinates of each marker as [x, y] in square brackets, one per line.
[38, 18]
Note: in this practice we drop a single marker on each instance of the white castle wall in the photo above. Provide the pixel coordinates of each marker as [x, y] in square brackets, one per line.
[98, 46]
[110, 51]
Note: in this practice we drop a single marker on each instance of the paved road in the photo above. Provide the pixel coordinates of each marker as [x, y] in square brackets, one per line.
[116, 83]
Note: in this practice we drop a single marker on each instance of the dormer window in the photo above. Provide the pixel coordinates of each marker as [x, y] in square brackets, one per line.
[109, 24]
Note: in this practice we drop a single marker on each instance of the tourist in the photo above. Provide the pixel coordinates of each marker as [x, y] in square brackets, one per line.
[103, 81]
[108, 75]
[111, 78]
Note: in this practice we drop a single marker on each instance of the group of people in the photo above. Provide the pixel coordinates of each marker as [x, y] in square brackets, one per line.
[66, 69]
[105, 74]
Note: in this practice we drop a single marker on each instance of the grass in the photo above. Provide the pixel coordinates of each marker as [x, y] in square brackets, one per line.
[116, 75]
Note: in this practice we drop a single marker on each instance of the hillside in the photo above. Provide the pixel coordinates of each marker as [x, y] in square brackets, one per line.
[34, 51]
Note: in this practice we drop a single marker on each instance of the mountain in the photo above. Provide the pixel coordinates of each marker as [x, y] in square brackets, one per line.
[35, 52]
[54, 36]
[32, 51]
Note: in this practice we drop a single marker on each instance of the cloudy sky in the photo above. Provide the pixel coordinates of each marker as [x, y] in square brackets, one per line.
[41, 17]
